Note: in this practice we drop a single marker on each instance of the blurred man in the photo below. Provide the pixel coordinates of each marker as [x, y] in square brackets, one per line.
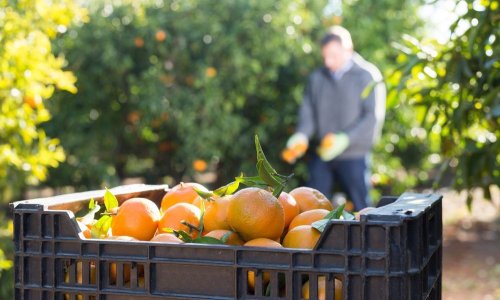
[343, 109]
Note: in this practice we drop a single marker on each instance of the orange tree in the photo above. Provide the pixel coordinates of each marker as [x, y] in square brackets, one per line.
[166, 86]
[454, 88]
[163, 85]
[29, 74]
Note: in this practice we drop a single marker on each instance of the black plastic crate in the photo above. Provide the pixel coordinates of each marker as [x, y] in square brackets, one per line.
[394, 252]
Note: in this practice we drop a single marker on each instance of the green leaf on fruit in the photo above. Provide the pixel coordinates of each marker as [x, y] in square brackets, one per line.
[226, 236]
[267, 173]
[110, 200]
[207, 240]
[203, 194]
[92, 203]
[101, 228]
[181, 234]
[347, 216]
[333, 215]
[229, 188]
[90, 215]
[253, 181]
[202, 215]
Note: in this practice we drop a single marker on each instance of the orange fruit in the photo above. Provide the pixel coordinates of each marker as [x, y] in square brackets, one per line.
[322, 289]
[233, 238]
[199, 165]
[126, 272]
[177, 215]
[290, 207]
[216, 214]
[327, 141]
[113, 269]
[181, 193]
[139, 42]
[300, 148]
[122, 238]
[260, 242]
[197, 202]
[288, 155]
[160, 35]
[256, 213]
[136, 217]
[85, 230]
[303, 236]
[308, 217]
[263, 242]
[211, 72]
[309, 198]
[166, 238]
[79, 273]
[33, 101]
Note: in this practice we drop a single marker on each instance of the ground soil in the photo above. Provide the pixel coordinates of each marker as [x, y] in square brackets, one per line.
[471, 249]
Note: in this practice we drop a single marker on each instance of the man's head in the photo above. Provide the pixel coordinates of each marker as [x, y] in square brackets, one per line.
[336, 47]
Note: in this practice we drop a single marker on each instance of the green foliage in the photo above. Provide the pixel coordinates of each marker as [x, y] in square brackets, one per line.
[223, 73]
[6, 258]
[454, 89]
[29, 74]
[399, 159]
[166, 83]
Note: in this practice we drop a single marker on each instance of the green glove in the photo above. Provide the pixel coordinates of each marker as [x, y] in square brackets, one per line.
[332, 146]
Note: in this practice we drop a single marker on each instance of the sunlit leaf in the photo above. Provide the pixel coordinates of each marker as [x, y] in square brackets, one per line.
[110, 200]
[228, 189]
[101, 228]
[333, 215]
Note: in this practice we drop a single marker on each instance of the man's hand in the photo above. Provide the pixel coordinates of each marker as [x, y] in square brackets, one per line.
[296, 146]
[332, 145]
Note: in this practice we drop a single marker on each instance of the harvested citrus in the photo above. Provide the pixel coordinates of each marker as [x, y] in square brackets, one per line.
[263, 242]
[198, 200]
[79, 273]
[290, 207]
[303, 236]
[322, 289]
[166, 238]
[113, 272]
[308, 217]
[288, 155]
[232, 237]
[126, 269]
[256, 213]
[181, 193]
[216, 214]
[181, 216]
[328, 141]
[136, 217]
[260, 242]
[309, 198]
[122, 238]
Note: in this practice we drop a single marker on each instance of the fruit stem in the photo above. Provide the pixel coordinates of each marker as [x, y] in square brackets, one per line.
[191, 226]
[109, 213]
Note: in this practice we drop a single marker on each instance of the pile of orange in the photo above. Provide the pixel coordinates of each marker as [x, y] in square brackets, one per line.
[250, 217]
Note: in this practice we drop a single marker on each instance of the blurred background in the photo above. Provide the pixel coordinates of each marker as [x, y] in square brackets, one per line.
[99, 93]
